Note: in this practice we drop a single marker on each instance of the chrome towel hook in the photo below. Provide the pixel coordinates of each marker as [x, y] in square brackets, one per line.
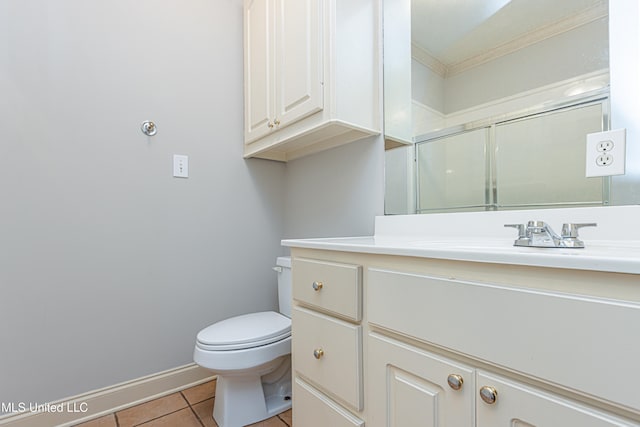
[149, 128]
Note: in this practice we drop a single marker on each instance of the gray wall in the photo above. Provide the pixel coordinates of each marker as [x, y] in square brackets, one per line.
[337, 192]
[108, 265]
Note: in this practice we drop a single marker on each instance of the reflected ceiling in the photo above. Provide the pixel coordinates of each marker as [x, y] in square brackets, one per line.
[457, 31]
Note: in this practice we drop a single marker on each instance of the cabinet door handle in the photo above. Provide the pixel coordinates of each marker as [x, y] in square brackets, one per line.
[318, 353]
[488, 394]
[455, 381]
[316, 286]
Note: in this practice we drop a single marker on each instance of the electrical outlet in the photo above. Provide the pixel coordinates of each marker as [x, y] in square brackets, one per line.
[604, 146]
[180, 166]
[606, 153]
[604, 160]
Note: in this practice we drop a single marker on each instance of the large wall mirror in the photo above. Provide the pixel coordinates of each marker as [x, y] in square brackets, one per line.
[488, 102]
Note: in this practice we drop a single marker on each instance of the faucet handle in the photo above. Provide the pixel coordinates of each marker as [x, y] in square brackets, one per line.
[522, 229]
[570, 230]
[522, 239]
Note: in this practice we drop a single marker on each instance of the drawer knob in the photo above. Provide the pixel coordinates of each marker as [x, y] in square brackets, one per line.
[455, 381]
[488, 394]
[318, 353]
[316, 286]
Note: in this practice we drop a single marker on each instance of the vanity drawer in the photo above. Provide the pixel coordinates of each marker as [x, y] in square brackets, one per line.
[327, 351]
[329, 286]
[584, 343]
[313, 409]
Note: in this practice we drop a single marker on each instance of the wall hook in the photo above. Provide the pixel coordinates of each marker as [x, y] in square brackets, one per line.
[149, 128]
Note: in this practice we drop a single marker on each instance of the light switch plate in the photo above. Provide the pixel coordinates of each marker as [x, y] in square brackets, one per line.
[606, 153]
[180, 166]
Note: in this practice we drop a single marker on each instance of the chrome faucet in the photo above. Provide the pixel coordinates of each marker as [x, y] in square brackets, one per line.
[538, 234]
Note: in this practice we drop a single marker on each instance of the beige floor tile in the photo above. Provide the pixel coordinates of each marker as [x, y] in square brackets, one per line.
[271, 422]
[150, 410]
[205, 413]
[204, 410]
[287, 417]
[182, 418]
[106, 421]
[200, 393]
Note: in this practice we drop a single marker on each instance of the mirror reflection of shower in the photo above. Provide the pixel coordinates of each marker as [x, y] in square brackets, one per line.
[524, 57]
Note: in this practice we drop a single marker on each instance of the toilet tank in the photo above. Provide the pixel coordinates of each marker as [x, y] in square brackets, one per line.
[283, 268]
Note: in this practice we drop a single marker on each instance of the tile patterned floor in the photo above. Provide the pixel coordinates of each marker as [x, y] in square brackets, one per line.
[188, 408]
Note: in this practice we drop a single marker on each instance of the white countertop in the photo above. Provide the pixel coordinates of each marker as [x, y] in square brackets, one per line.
[481, 237]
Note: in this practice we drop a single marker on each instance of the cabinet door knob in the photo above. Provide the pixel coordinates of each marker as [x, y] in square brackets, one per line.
[455, 381]
[489, 394]
[318, 353]
[276, 122]
[316, 286]
[270, 125]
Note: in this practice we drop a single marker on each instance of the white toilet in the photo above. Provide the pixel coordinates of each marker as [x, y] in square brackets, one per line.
[251, 354]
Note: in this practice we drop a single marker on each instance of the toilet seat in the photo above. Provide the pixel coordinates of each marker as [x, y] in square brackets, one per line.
[245, 331]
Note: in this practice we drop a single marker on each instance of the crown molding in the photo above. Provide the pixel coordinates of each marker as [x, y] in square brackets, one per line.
[428, 60]
[545, 32]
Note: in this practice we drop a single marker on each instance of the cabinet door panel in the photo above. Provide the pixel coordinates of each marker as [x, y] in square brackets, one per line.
[299, 59]
[408, 387]
[259, 68]
[523, 406]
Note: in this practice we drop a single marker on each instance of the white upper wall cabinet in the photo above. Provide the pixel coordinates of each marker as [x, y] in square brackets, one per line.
[312, 78]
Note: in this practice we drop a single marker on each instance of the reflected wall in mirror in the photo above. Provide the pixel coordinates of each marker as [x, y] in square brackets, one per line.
[487, 103]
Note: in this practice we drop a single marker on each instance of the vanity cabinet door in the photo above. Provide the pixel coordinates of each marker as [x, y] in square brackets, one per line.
[509, 403]
[411, 387]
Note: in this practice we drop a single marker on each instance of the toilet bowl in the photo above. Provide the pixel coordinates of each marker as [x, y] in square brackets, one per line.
[251, 355]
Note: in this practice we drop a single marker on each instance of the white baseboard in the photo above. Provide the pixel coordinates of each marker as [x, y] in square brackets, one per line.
[77, 409]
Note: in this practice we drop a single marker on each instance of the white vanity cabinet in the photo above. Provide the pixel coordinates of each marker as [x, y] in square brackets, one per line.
[311, 75]
[462, 344]
[327, 343]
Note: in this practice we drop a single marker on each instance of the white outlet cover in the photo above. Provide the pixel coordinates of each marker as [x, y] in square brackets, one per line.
[617, 153]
